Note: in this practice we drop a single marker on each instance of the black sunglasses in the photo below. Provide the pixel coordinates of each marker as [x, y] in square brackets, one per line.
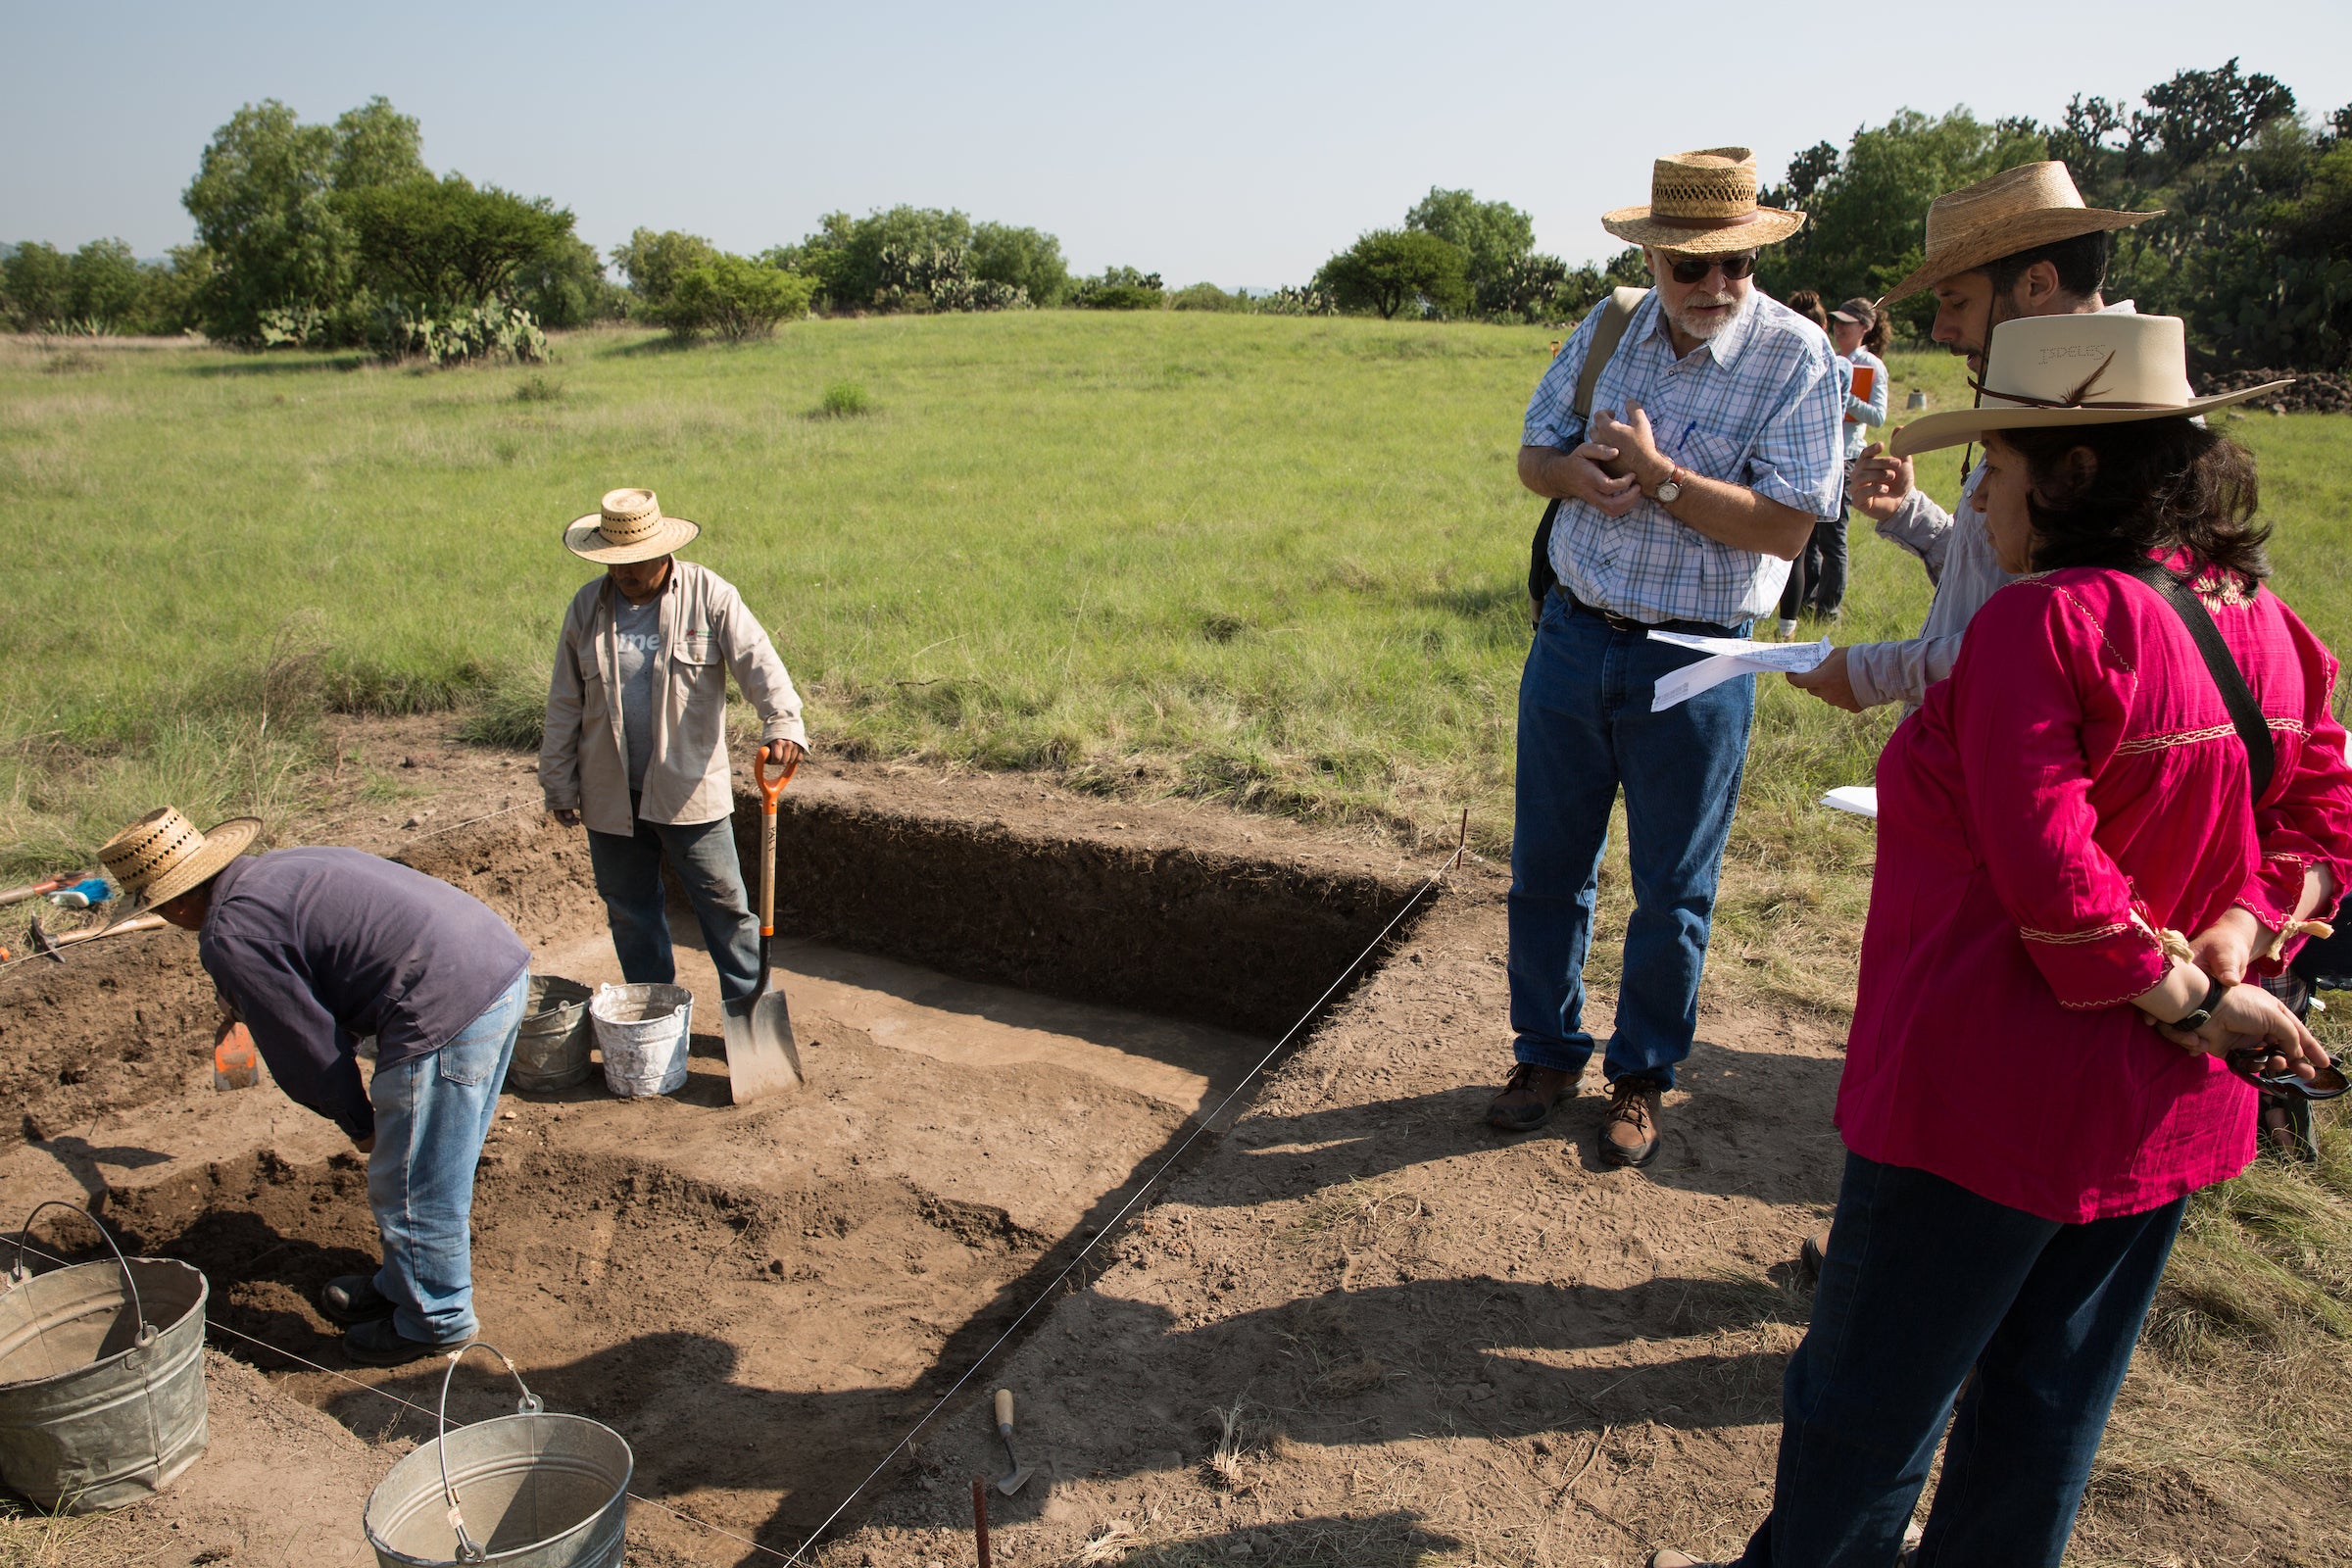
[2250, 1063]
[1694, 268]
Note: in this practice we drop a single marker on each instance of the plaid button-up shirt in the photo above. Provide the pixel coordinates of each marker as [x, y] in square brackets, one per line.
[1758, 405]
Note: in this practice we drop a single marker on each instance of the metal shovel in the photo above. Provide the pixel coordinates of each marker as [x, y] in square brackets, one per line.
[763, 1058]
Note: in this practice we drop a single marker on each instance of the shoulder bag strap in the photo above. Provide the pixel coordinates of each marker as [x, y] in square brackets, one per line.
[2254, 730]
[1615, 315]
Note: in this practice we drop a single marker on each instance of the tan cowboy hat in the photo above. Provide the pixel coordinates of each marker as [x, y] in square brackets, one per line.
[162, 855]
[2075, 370]
[1703, 204]
[629, 527]
[2017, 210]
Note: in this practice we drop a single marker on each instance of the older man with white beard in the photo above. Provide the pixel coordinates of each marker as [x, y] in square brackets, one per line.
[1711, 450]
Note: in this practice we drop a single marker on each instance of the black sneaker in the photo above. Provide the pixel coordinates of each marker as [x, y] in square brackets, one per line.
[352, 1299]
[379, 1344]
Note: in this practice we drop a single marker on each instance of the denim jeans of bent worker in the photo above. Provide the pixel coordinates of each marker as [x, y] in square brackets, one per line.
[431, 1114]
[1586, 728]
[1927, 1287]
[628, 878]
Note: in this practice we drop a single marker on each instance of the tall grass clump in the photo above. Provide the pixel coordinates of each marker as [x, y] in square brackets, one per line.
[844, 399]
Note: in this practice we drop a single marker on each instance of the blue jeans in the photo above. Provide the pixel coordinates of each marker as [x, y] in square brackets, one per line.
[1585, 727]
[431, 1116]
[628, 877]
[1927, 1288]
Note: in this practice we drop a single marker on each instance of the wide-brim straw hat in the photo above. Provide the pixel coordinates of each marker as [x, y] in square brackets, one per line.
[162, 855]
[629, 527]
[2043, 371]
[2017, 210]
[1703, 204]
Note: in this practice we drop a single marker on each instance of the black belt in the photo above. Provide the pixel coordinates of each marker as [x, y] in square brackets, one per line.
[1642, 628]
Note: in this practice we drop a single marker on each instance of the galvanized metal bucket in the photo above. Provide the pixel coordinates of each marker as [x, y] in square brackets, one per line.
[550, 1049]
[528, 1490]
[644, 1032]
[101, 1377]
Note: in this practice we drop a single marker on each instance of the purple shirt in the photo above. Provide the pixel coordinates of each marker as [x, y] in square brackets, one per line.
[317, 946]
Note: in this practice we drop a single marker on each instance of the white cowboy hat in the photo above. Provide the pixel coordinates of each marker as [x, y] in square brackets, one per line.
[627, 527]
[162, 855]
[2017, 210]
[2043, 371]
[1703, 204]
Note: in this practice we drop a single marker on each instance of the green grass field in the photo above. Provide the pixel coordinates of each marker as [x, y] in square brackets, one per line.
[1272, 559]
[1269, 559]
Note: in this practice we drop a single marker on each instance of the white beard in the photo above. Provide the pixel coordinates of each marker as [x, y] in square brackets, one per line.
[1704, 327]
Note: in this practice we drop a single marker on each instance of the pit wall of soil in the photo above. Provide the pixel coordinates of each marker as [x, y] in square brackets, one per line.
[1146, 916]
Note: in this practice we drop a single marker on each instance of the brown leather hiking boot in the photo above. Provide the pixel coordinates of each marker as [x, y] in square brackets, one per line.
[1525, 1101]
[1628, 1133]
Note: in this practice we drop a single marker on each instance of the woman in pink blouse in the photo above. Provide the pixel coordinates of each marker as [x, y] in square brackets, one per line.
[2073, 877]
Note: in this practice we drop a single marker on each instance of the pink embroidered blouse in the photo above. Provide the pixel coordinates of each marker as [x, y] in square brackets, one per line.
[2073, 787]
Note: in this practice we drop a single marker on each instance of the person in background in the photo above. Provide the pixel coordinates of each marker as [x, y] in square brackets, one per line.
[314, 950]
[2041, 1069]
[1805, 572]
[1711, 449]
[636, 740]
[2019, 244]
[1865, 406]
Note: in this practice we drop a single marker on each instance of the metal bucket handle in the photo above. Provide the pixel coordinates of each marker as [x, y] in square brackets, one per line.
[147, 1331]
[468, 1550]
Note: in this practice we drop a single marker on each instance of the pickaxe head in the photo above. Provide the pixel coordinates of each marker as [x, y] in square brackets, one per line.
[44, 943]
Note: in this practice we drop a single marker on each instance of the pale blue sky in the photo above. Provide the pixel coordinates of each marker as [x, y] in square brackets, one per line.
[1237, 143]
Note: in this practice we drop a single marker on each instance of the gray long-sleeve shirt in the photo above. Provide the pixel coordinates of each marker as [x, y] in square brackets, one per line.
[1957, 551]
[316, 948]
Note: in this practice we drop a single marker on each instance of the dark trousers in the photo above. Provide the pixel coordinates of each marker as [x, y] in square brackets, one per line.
[1817, 576]
[1929, 1293]
[628, 877]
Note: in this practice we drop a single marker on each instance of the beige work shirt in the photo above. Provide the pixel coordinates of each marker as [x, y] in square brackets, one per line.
[706, 631]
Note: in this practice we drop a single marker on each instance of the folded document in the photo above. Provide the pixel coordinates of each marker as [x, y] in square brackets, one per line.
[1728, 657]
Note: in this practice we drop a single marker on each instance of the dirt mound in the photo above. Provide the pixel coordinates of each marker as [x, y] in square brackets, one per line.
[2314, 391]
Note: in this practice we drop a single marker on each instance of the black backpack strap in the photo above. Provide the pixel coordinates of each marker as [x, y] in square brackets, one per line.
[2261, 755]
[1539, 575]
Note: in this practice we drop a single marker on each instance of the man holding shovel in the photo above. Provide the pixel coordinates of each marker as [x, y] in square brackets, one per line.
[314, 949]
[636, 739]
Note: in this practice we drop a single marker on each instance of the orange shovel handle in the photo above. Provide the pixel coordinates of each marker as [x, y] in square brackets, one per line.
[767, 834]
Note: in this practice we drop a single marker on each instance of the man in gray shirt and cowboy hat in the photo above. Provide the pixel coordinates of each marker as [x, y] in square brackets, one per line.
[2021, 243]
[315, 950]
[636, 739]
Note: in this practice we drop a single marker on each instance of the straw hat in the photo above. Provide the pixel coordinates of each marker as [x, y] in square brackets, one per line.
[2043, 371]
[162, 855]
[2017, 210]
[1703, 204]
[629, 527]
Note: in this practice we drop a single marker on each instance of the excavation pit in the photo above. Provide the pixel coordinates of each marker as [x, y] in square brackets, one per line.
[1006, 1031]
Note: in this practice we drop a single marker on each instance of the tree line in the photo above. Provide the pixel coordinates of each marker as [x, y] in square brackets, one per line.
[338, 236]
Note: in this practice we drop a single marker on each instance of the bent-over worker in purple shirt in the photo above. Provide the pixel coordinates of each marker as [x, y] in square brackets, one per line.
[314, 949]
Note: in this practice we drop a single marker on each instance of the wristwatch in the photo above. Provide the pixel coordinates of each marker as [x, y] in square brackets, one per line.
[2196, 1017]
[1671, 490]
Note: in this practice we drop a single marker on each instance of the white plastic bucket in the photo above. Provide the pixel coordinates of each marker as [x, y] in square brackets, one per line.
[643, 1033]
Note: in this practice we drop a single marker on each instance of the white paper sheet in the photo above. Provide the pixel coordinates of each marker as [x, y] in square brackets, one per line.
[1728, 657]
[1860, 799]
